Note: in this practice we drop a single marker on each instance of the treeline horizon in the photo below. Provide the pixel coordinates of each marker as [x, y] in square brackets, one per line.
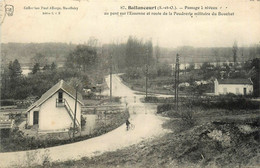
[57, 52]
[90, 62]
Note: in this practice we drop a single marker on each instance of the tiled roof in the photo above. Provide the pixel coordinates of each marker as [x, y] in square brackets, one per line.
[235, 81]
[60, 85]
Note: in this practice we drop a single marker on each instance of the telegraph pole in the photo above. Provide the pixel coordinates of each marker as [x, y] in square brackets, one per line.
[177, 71]
[175, 83]
[74, 120]
[111, 78]
[146, 72]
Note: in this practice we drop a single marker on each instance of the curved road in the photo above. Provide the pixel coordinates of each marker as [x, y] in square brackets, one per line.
[147, 125]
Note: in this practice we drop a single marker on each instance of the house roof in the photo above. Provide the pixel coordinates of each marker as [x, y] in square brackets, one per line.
[235, 81]
[61, 85]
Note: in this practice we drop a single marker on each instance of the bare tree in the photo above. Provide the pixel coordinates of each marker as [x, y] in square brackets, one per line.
[157, 53]
[235, 49]
[216, 55]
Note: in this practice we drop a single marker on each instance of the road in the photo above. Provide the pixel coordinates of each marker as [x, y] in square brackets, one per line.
[147, 126]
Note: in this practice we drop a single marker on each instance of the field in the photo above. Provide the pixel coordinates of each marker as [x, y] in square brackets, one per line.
[154, 86]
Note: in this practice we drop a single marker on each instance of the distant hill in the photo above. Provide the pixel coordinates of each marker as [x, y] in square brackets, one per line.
[57, 52]
[200, 55]
[24, 52]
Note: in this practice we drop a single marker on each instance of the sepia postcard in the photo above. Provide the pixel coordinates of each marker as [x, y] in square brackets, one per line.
[129, 83]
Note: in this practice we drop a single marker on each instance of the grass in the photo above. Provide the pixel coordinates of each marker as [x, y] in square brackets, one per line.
[214, 139]
[190, 147]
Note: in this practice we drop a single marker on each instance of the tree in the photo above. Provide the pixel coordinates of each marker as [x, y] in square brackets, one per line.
[254, 51]
[83, 57]
[23, 90]
[92, 42]
[53, 66]
[216, 55]
[149, 48]
[191, 67]
[46, 67]
[164, 69]
[205, 67]
[138, 53]
[36, 68]
[238, 74]
[5, 82]
[119, 56]
[157, 53]
[10, 68]
[255, 76]
[134, 73]
[11, 79]
[234, 50]
[76, 83]
[40, 59]
[17, 71]
[132, 52]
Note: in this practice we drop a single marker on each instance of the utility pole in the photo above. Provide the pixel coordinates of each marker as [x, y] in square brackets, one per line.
[111, 78]
[74, 120]
[177, 71]
[146, 72]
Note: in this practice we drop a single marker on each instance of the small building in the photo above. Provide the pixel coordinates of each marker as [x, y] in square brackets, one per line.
[184, 84]
[54, 111]
[235, 86]
[6, 127]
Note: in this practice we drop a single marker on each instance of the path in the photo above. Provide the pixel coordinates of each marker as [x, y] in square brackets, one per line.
[147, 125]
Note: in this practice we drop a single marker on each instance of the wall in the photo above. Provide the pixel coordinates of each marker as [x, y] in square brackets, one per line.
[90, 123]
[231, 88]
[216, 87]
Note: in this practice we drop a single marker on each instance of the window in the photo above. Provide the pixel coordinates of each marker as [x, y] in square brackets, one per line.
[237, 90]
[225, 90]
[60, 97]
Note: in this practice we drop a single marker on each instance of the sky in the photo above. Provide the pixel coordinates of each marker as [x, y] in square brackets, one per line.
[77, 26]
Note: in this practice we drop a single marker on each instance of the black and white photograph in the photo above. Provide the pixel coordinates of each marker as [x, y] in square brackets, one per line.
[129, 83]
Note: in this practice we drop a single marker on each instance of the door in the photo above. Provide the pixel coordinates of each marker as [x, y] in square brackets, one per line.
[244, 91]
[35, 117]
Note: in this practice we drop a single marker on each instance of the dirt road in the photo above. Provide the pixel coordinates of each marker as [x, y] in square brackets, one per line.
[147, 125]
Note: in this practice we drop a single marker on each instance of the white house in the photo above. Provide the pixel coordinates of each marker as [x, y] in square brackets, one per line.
[235, 86]
[54, 111]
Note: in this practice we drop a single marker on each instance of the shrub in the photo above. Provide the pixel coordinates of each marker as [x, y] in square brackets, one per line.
[83, 121]
[7, 102]
[165, 107]
[229, 102]
[188, 118]
[151, 99]
[116, 99]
